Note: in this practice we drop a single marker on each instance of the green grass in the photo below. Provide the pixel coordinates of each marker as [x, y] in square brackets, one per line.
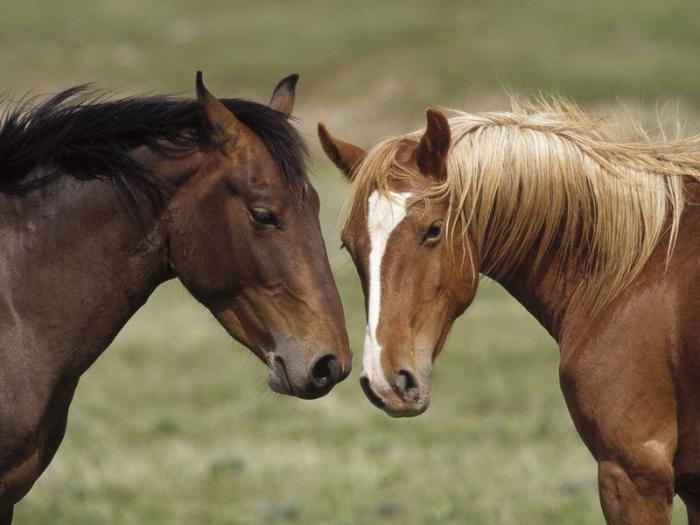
[418, 52]
[174, 424]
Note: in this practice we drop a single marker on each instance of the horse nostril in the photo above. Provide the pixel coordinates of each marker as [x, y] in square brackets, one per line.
[407, 385]
[326, 371]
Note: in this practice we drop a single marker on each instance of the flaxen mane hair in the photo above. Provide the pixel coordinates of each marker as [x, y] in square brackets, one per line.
[79, 133]
[547, 176]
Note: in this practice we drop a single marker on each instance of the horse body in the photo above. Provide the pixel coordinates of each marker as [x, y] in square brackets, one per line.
[69, 285]
[597, 238]
[629, 375]
[80, 255]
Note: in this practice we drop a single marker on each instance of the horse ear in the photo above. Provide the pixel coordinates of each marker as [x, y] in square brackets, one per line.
[344, 155]
[434, 146]
[223, 126]
[283, 96]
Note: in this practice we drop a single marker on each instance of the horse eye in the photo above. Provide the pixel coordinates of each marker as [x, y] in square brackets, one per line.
[433, 232]
[264, 216]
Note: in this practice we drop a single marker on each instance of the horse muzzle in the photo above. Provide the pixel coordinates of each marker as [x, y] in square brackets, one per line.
[290, 376]
[406, 395]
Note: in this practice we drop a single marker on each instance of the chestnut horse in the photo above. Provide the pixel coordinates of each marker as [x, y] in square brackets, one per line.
[598, 238]
[102, 201]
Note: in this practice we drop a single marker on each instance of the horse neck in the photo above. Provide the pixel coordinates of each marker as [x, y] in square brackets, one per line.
[546, 291]
[80, 267]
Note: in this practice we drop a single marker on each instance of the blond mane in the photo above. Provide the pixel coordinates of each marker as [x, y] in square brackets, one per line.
[546, 175]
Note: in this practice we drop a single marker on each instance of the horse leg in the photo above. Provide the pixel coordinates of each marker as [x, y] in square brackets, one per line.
[622, 401]
[639, 493]
[56, 424]
[18, 476]
[691, 498]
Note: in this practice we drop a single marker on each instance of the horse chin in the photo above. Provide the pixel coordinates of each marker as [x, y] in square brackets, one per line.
[407, 409]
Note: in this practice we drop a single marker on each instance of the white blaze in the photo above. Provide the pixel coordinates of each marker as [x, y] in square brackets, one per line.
[383, 216]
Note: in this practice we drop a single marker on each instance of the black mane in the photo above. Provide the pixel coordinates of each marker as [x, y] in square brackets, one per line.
[80, 133]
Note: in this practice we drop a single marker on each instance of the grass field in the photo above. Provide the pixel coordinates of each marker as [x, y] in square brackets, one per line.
[174, 424]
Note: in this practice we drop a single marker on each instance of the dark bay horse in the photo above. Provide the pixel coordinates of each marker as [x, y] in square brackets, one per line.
[597, 237]
[101, 201]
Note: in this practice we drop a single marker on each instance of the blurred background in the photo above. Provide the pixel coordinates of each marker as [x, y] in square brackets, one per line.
[175, 424]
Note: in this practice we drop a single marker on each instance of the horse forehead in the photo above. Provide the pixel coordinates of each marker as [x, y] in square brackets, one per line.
[385, 211]
[381, 212]
[254, 160]
[264, 177]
